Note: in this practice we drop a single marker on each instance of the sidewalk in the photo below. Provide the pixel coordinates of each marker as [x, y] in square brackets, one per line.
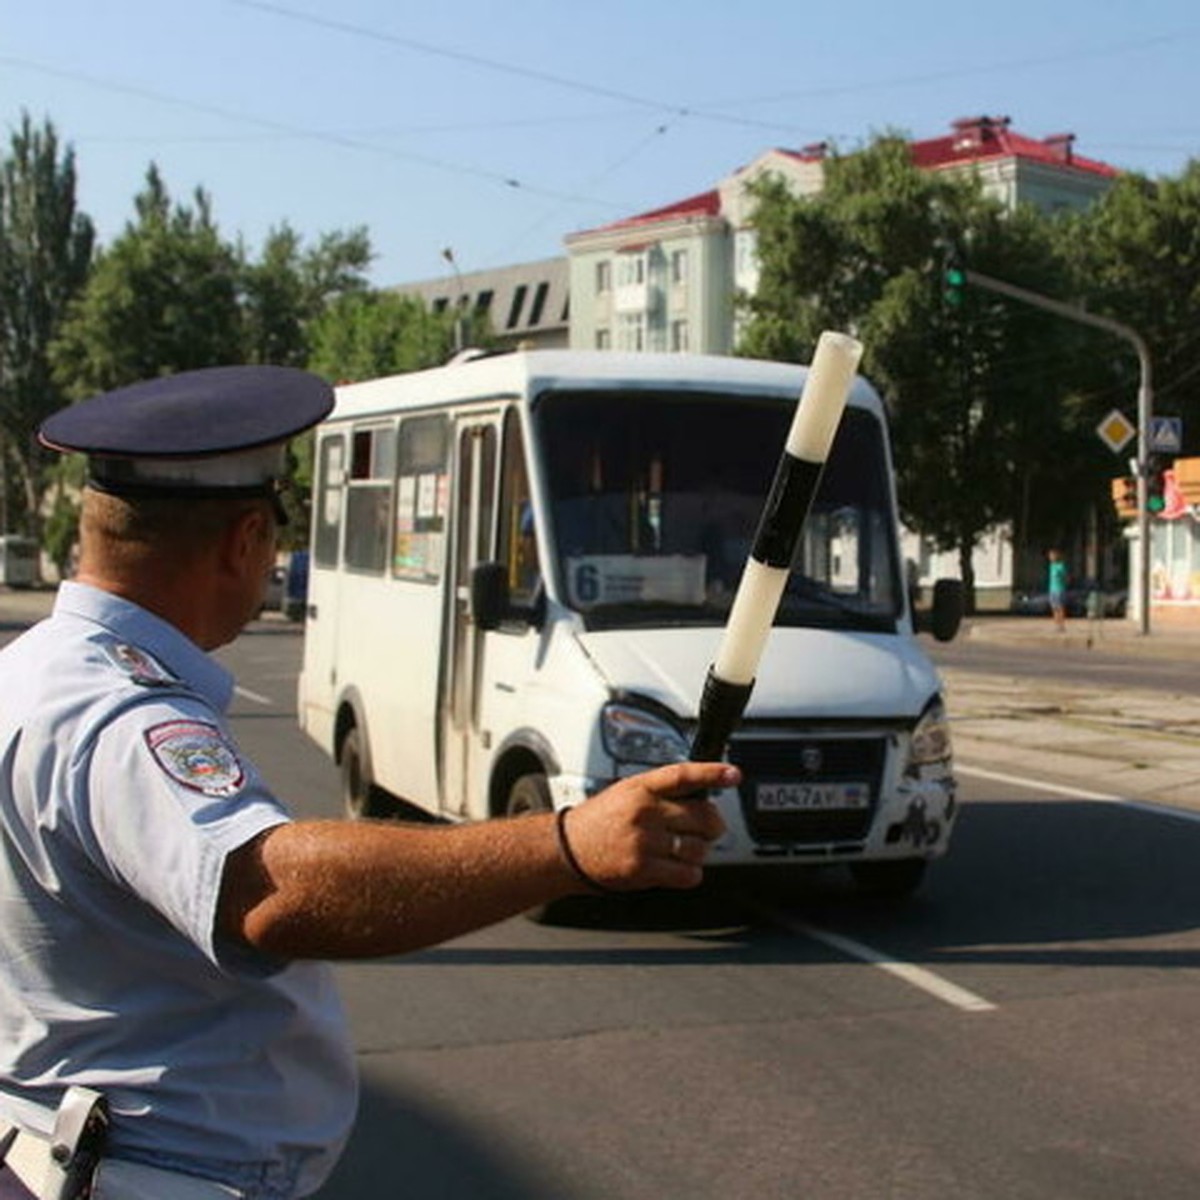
[1136, 744]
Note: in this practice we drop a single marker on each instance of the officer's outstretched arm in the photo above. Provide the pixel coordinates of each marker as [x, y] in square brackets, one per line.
[342, 889]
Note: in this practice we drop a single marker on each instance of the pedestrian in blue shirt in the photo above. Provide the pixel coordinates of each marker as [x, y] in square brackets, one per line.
[1056, 586]
[167, 1028]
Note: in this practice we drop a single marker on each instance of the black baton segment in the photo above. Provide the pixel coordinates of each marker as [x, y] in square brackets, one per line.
[721, 708]
[787, 505]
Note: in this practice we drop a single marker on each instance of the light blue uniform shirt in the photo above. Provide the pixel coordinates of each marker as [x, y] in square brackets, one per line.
[121, 794]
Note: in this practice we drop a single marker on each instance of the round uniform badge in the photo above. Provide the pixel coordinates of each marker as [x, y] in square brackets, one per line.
[196, 755]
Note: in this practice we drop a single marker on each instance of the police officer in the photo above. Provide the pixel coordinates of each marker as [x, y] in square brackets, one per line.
[161, 915]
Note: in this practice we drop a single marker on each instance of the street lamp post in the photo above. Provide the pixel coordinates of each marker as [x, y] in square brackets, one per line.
[460, 306]
[1145, 408]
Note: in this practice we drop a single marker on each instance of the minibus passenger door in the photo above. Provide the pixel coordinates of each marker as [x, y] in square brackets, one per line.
[474, 519]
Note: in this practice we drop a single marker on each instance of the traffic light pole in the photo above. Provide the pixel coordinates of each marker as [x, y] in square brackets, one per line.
[1145, 408]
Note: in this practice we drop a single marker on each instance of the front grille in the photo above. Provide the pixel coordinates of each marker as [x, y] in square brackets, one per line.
[800, 759]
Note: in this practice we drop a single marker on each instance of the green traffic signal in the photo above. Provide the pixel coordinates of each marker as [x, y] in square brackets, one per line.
[955, 279]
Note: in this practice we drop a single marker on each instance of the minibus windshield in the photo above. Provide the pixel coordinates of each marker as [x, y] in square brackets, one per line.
[654, 500]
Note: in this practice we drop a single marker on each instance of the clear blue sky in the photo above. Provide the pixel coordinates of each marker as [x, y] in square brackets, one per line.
[497, 128]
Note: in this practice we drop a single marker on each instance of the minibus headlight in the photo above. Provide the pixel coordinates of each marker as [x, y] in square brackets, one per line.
[930, 743]
[634, 735]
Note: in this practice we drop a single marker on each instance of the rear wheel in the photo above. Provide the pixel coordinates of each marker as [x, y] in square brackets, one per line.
[892, 879]
[360, 797]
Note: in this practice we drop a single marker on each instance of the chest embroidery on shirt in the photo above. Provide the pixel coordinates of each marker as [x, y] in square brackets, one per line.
[141, 667]
[196, 755]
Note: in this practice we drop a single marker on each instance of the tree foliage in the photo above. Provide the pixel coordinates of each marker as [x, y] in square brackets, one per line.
[289, 287]
[45, 251]
[976, 385]
[371, 334]
[1136, 255]
[163, 297]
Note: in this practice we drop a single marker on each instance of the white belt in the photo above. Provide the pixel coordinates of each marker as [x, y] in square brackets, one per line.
[115, 1179]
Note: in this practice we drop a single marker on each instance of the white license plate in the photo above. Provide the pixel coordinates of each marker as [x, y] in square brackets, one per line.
[807, 797]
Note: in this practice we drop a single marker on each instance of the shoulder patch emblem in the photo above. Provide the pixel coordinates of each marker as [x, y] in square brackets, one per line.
[196, 755]
[141, 667]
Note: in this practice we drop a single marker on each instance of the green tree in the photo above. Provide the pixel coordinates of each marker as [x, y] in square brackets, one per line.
[288, 287]
[45, 252]
[1136, 255]
[974, 385]
[370, 334]
[162, 297]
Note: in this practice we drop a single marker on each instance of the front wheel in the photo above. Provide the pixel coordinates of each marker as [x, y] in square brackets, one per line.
[531, 794]
[891, 879]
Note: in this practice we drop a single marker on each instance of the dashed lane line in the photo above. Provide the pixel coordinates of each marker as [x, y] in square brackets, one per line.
[919, 977]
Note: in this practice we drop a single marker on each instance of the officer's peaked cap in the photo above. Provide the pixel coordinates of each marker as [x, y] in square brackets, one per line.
[217, 431]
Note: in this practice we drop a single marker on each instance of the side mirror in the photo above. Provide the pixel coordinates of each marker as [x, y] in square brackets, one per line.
[491, 601]
[489, 595]
[948, 605]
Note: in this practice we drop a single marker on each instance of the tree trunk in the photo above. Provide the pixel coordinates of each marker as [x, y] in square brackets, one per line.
[966, 568]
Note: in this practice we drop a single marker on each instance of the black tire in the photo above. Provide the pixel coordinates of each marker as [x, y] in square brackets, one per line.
[892, 879]
[531, 794]
[360, 797]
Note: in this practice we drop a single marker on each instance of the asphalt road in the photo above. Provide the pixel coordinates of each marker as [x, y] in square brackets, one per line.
[1024, 1028]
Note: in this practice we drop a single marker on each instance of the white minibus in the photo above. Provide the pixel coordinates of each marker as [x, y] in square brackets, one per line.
[521, 567]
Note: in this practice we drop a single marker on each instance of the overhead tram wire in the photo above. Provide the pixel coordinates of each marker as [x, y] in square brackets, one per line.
[531, 73]
[334, 139]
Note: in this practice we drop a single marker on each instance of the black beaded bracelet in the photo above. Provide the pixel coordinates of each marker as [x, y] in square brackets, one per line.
[564, 847]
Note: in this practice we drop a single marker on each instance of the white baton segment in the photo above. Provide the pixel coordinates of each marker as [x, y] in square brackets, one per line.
[824, 396]
[811, 435]
[749, 622]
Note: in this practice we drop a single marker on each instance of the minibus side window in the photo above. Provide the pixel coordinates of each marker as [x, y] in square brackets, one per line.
[327, 512]
[518, 545]
[369, 498]
[422, 497]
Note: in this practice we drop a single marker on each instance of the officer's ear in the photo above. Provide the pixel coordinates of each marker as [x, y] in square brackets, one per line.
[245, 533]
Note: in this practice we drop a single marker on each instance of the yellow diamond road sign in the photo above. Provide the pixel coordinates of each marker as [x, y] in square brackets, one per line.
[1116, 430]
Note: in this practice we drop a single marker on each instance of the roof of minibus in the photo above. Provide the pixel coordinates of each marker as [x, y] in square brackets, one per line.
[530, 372]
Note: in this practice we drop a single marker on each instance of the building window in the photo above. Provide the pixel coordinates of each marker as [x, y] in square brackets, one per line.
[631, 269]
[679, 336]
[518, 303]
[603, 276]
[631, 331]
[603, 339]
[539, 303]
[679, 266]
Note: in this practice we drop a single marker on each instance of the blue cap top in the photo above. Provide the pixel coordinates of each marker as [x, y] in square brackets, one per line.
[214, 411]
[218, 432]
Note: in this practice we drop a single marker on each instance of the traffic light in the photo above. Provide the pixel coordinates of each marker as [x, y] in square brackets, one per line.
[954, 281]
[1156, 499]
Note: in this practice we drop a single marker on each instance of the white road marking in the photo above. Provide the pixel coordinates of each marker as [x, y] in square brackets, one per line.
[247, 694]
[918, 977]
[1042, 785]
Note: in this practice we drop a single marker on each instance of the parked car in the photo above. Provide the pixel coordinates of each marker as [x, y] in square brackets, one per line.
[294, 600]
[1037, 604]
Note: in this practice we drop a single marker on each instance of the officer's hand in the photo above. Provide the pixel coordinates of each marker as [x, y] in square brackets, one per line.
[638, 834]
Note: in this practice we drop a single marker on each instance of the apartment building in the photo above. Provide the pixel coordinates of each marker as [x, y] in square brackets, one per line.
[667, 279]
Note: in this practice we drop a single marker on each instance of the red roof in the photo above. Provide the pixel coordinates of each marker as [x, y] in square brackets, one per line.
[706, 204]
[976, 139]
